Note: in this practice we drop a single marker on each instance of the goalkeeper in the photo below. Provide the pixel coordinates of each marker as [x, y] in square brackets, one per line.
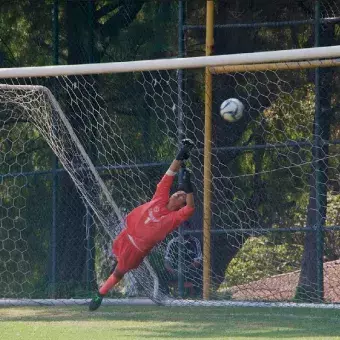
[151, 222]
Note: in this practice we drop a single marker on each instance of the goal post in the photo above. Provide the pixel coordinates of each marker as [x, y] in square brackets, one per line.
[314, 53]
[207, 154]
[114, 129]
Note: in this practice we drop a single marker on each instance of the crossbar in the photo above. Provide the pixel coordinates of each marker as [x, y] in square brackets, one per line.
[175, 63]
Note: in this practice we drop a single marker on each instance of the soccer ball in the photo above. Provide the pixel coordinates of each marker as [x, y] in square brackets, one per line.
[232, 109]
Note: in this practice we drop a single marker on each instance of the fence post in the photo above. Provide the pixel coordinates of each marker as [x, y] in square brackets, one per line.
[55, 24]
[90, 231]
[180, 127]
[317, 169]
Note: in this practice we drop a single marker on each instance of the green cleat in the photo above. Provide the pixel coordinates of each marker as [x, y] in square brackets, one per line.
[96, 302]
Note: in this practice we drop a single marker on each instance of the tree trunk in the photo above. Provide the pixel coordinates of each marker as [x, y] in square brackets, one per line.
[71, 246]
[307, 286]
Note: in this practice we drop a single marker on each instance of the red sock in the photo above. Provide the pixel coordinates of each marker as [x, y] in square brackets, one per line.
[110, 282]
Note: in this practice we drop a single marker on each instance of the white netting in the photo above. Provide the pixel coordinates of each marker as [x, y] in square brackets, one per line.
[72, 140]
[115, 142]
[330, 8]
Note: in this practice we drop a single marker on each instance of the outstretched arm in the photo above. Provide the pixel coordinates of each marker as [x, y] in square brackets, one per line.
[186, 185]
[190, 200]
[183, 154]
[163, 187]
[174, 167]
[186, 212]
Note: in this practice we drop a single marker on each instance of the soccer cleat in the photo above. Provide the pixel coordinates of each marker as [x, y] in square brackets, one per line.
[96, 302]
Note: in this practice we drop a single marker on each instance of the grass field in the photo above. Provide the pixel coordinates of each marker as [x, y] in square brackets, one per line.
[153, 322]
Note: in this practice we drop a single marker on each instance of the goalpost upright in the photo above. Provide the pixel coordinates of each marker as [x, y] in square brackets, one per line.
[256, 67]
[207, 153]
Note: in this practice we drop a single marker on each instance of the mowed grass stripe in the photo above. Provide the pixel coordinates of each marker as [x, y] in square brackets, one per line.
[153, 322]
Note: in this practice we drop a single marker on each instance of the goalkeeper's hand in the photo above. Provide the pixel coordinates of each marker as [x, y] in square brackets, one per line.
[184, 152]
[181, 176]
[186, 180]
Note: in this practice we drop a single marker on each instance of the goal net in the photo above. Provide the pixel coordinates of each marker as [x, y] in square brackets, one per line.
[83, 145]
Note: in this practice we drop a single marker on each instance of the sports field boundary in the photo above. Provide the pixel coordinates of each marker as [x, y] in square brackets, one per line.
[169, 302]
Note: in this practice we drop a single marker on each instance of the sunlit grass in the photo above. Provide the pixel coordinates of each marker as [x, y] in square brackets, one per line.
[152, 322]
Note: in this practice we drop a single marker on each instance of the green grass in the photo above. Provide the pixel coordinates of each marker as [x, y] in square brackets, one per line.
[153, 322]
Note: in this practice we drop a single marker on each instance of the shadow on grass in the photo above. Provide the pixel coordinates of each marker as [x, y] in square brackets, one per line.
[177, 322]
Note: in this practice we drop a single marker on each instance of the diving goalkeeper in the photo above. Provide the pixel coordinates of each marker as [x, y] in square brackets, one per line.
[151, 222]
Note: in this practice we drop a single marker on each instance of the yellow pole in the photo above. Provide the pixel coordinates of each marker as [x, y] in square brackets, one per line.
[291, 65]
[209, 43]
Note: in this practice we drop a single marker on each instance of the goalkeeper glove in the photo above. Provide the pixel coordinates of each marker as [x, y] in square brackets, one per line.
[187, 185]
[184, 152]
[180, 177]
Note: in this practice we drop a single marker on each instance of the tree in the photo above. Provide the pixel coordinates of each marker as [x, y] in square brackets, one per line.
[89, 31]
[307, 289]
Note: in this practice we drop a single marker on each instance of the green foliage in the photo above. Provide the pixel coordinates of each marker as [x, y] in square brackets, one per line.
[26, 39]
[279, 175]
[292, 114]
[262, 257]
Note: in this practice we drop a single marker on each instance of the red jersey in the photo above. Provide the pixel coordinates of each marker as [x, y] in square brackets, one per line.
[151, 222]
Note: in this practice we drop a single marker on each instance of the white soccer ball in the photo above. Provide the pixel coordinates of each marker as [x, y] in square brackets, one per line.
[232, 109]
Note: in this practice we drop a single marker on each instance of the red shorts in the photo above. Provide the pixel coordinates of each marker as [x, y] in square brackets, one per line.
[128, 256]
